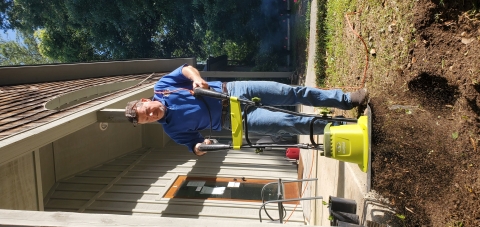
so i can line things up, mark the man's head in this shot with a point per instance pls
(144, 111)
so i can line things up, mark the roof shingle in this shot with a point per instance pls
(22, 106)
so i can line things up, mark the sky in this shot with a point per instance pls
(9, 35)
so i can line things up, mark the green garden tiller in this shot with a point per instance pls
(344, 142)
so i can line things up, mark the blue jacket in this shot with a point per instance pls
(186, 115)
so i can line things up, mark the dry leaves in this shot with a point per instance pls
(474, 144)
(467, 41)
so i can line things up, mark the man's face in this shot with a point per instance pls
(150, 111)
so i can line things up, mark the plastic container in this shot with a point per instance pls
(293, 153)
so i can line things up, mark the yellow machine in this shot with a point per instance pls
(347, 142)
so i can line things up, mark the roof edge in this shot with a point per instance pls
(15, 75)
(16, 145)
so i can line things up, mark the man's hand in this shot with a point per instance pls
(200, 83)
(201, 153)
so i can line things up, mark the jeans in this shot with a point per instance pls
(268, 122)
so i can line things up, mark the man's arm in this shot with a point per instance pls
(192, 74)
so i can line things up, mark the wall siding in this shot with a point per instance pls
(17, 184)
(47, 167)
(90, 147)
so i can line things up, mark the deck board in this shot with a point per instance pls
(135, 184)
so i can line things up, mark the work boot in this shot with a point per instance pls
(359, 97)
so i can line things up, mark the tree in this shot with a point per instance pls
(90, 30)
(21, 53)
(5, 5)
(124, 29)
(67, 45)
(228, 20)
(85, 30)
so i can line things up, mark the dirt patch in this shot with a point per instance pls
(426, 124)
(424, 82)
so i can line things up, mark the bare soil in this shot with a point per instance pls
(426, 127)
(424, 83)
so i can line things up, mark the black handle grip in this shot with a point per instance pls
(213, 147)
(209, 93)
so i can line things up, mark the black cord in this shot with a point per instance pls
(209, 114)
(284, 212)
(266, 212)
(211, 124)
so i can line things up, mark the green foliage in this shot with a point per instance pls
(21, 53)
(5, 6)
(455, 135)
(66, 46)
(300, 36)
(229, 19)
(239, 51)
(266, 62)
(91, 30)
(86, 30)
(400, 216)
(320, 64)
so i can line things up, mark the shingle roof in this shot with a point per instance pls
(22, 106)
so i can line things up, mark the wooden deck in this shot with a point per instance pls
(32, 218)
(136, 183)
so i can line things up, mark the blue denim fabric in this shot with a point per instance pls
(276, 94)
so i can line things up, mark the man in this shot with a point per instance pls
(184, 115)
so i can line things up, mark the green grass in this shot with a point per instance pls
(341, 56)
(336, 32)
(330, 32)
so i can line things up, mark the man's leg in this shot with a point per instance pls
(277, 94)
(268, 122)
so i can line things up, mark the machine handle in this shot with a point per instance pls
(209, 93)
(213, 147)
